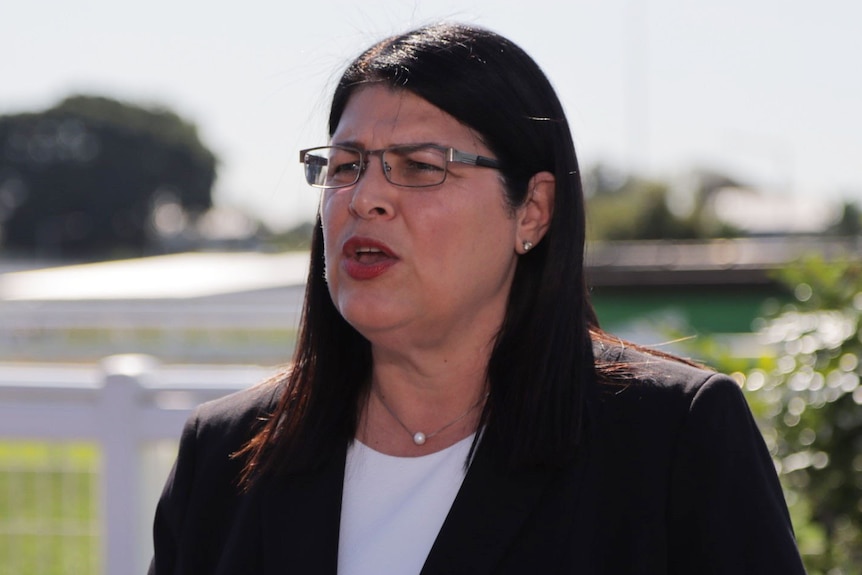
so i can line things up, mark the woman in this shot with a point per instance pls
(453, 406)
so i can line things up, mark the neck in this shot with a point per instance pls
(419, 436)
(442, 398)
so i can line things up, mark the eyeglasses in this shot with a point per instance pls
(411, 166)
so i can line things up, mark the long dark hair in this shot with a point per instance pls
(542, 365)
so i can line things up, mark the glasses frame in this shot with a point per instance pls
(451, 156)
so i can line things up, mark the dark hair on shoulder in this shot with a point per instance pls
(542, 366)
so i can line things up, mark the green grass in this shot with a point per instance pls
(49, 520)
(213, 345)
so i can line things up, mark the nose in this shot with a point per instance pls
(373, 195)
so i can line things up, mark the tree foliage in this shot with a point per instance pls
(625, 207)
(807, 396)
(90, 175)
(850, 222)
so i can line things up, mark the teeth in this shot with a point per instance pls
(367, 251)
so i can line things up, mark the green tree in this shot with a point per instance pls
(850, 222)
(89, 176)
(624, 207)
(807, 397)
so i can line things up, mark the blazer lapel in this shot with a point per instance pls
(301, 516)
(485, 517)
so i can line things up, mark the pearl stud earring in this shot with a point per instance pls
(527, 245)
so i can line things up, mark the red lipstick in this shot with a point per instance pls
(366, 259)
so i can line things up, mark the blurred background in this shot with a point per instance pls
(154, 224)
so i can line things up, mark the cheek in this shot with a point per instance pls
(333, 215)
(331, 224)
(476, 237)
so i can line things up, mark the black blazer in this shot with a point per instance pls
(673, 478)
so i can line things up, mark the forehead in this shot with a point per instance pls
(379, 116)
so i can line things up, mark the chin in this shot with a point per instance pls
(369, 319)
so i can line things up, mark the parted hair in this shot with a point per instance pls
(541, 368)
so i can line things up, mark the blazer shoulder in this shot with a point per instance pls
(240, 404)
(626, 368)
(660, 390)
(237, 414)
(201, 498)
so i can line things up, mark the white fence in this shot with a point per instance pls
(125, 405)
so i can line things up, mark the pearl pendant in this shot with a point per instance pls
(419, 438)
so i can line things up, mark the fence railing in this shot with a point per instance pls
(123, 405)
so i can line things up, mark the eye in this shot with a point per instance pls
(422, 160)
(345, 167)
(415, 166)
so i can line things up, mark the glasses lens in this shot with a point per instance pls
(415, 166)
(332, 166)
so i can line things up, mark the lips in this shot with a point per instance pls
(369, 255)
(366, 259)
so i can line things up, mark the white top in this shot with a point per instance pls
(393, 507)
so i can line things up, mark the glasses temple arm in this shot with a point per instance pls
(472, 159)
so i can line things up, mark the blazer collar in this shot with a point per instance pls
(301, 516)
(485, 517)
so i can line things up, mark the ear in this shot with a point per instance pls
(534, 216)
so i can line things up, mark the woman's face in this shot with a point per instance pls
(417, 266)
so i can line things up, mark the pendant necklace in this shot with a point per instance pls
(419, 438)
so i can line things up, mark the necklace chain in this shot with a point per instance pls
(419, 438)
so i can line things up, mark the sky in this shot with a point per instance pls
(767, 91)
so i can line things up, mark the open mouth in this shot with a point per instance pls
(366, 250)
(369, 255)
(366, 259)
